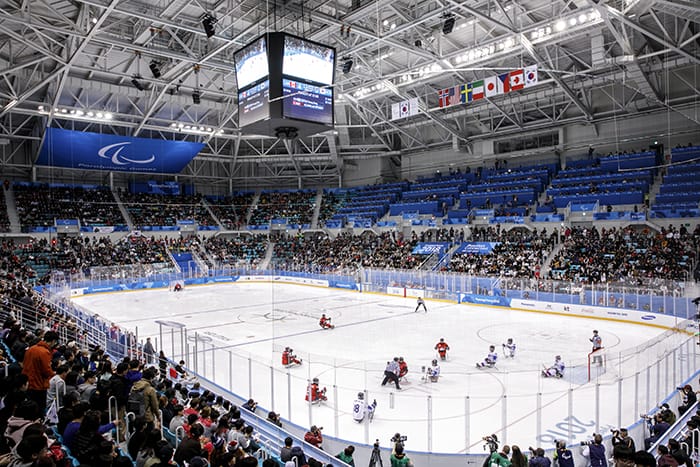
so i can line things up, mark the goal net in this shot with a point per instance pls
(597, 363)
(177, 285)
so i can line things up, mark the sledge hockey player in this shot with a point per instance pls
(490, 360)
(556, 370)
(432, 373)
(597, 345)
(177, 287)
(403, 368)
(509, 348)
(442, 348)
(360, 408)
(421, 303)
(325, 322)
(288, 357)
(315, 393)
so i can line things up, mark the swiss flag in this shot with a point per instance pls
(517, 80)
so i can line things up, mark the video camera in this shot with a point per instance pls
(398, 439)
(491, 443)
(589, 442)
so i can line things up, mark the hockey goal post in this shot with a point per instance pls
(172, 285)
(597, 362)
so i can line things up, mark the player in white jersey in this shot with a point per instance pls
(360, 408)
(490, 360)
(509, 348)
(432, 373)
(556, 370)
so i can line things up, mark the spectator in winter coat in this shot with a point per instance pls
(538, 459)
(37, 367)
(150, 397)
(314, 436)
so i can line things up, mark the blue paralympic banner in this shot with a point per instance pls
(477, 248)
(95, 151)
(430, 248)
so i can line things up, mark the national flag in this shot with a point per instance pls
(517, 80)
(530, 75)
(404, 109)
(465, 93)
(292, 84)
(504, 83)
(477, 90)
(443, 97)
(454, 96)
(491, 86)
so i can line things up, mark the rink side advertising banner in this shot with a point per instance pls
(430, 248)
(95, 151)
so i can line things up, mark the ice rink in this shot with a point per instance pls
(240, 329)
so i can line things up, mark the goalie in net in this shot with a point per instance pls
(176, 286)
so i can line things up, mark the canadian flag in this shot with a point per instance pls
(517, 80)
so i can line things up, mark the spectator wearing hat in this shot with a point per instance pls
(37, 367)
(314, 436)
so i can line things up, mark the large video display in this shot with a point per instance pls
(308, 61)
(251, 63)
(308, 102)
(254, 104)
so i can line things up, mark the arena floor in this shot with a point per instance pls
(242, 327)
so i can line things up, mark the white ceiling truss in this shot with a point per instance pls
(612, 58)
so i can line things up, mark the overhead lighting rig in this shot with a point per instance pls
(77, 114)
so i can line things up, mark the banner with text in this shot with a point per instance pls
(430, 248)
(476, 248)
(95, 151)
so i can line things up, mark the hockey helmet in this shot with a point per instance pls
(492, 348)
(401, 359)
(558, 357)
(361, 395)
(287, 349)
(510, 340)
(434, 362)
(315, 380)
(290, 350)
(442, 339)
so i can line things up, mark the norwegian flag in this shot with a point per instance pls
(517, 80)
(444, 97)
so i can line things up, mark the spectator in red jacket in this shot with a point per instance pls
(314, 436)
(37, 367)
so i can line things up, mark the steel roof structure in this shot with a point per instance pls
(72, 63)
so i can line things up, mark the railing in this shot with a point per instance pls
(648, 371)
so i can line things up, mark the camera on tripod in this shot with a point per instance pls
(491, 443)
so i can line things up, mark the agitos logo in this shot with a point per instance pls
(114, 153)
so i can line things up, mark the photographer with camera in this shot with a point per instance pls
(689, 398)
(621, 438)
(399, 458)
(563, 456)
(594, 451)
(657, 430)
(500, 459)
(667, 414)
(538, 458)
(398, 441)
(314, 436)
